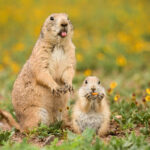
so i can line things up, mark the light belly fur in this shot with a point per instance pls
(89, 120)
(57, 63)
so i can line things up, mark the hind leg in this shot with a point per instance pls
(33, 116)
(104, 128)
(75, 126)
(65, 113)
(66, 119)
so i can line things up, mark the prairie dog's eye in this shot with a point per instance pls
(51, 18)
(86, 82)
(99, 82)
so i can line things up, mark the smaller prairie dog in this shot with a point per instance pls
(91, 109)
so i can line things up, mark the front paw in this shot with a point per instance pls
(88, 96)
(100, 96)
(68, 87)
(56, 91)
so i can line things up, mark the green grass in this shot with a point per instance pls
(78, 142)
(44, 131)
(4, 136)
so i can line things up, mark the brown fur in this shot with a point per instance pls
(91, 111)
(37, 92)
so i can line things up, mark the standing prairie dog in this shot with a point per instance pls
(44, 84)
(91, 109)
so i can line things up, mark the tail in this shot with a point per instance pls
(7, 121)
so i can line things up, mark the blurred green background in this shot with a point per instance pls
(112, 40)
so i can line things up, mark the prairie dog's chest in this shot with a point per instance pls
(58, 61)
(89, 120)
(58, 55)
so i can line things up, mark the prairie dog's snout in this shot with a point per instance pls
(64, 23)
(93, 89)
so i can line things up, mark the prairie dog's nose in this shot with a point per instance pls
(93, 89)
(64, 24)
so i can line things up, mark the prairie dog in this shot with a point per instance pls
(91, 109)
(44, 84)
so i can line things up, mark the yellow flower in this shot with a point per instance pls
(148, 91)
(113, 85)
(19, 47)
(6, 59)
(85, 44)
(136, 103)
(147, 98)
(67, 108)
(4, 14)
(100, 56)
(121, 61)
(15, 67)
(1, 67)
(87, 72)
(79, 57)
(144, 100)
(133, 97)
(60, 110)
(110, 90)
(116, 97)
(123, 37)
(139, 46)
(36, 31)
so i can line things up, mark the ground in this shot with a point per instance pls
(112, 40)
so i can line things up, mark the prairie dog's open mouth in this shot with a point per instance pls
(62, 33)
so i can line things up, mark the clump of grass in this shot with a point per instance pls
(4, 136)
(44, 131)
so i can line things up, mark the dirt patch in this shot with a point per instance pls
(17, 137)
(116, 131)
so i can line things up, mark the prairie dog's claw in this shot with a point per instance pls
(68, 87)
(56, 91)
(60, 90)
(101, 96)
(71, 89)
(88, 96)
